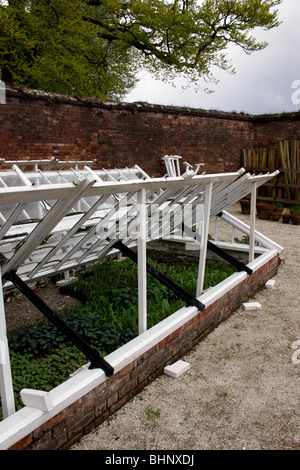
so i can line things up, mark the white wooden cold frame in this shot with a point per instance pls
(60, 238)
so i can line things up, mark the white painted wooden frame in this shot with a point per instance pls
(142, 259)
(204, 237)
(6, 386)
(192, 190)
(124, 194)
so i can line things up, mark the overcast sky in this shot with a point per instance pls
(262, 83)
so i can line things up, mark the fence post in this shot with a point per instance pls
(252, 222)
(142, 259)
(6, 386)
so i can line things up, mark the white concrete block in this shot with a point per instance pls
(251, 305)
(270, 284)
(177, 369)
(36, 399)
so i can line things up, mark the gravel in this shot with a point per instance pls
(242, 389)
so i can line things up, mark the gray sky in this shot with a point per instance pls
(262, 82)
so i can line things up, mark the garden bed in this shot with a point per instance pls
(101, 305)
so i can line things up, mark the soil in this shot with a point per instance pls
(20, 312)
(242, 390)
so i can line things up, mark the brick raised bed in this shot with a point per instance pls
(136, 365)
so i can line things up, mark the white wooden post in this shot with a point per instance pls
(6, 386)
(204, 236)
(216, 228)
(252, 221)
(142, 259)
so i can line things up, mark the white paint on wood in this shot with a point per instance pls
(6, 385)
(36, 399)
(204, 237)
(142, 260)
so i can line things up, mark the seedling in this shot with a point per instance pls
(152, 415)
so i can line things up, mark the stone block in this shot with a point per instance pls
(177, 369)
(251, 305)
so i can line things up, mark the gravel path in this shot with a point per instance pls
(243, 388)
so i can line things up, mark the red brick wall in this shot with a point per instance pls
(38, 125)
(88, 412)
(269, 130)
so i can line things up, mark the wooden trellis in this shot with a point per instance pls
(285, 188)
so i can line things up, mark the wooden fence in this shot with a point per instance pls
(285, 187)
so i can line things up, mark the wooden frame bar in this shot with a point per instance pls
(142, 260)
(6, 385)
(204, 236)
(57, 212)
(252, 222)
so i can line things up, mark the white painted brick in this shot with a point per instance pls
(251, 305)
(177, 369)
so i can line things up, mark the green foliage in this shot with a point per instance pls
(295, 209)
(108, 316)
(245, 240)
(97, 327)
(152, 415)
(43, 373)
(48, 46)
(41, 358)
(95, 47)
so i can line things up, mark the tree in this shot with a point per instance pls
(45, 44)
(95, 47)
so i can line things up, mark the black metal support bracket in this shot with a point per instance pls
(92, 354)
(179, 291)
(239, 265)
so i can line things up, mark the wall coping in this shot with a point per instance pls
(140, 106)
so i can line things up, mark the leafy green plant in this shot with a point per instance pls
(91, 48)
(295, 209)
(108, 317)
(41, 358)
(43, 373)
(152, 415)
(40, 339)
(244, 240)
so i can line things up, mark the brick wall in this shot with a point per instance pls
(268, 130)
(41, 125)
(89, 411)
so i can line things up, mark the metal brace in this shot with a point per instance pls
(179, 291)
(239, 265)
(92, 354)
